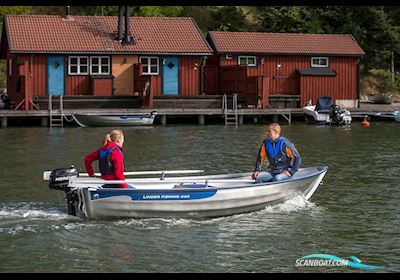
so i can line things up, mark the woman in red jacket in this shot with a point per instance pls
(110, 157)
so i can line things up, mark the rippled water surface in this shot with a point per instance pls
(354, 213)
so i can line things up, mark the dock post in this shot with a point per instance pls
(3, 121)
(163, 119)
(201, 119)
(275, 118)
(44, 121)
(255, 120)
(240, 119)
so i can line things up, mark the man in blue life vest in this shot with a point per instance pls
(284, 160)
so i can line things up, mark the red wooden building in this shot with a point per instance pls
(95, 56)
(267, 67)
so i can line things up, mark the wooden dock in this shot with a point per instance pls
(163, 114)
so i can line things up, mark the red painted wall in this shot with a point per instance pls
(189, 76)
(77, 85)
(285, 81)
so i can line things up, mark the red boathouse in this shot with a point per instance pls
(284, 69)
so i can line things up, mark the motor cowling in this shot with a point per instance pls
(59, 178)
(339, 116)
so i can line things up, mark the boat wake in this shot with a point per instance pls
(296, 204)
(30, 210)
(16, 218)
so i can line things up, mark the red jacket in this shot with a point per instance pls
(116, 158)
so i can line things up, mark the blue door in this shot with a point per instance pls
(170, 75)
(55, 75)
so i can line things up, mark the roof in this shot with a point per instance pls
(96, 34)
(316, 71)
(285, 43)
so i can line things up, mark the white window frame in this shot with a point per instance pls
(79, 65)
(149, 65)
(100, 65)
(319, 58)
(247, 60)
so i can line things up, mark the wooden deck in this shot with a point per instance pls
(200, 113)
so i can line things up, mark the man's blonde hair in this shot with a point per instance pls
(276, 127)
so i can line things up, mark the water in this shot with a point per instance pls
(354, 213)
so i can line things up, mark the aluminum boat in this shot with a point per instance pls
(85, 120)
(184, 196)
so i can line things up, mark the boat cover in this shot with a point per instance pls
(324, 103)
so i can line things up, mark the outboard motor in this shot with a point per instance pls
(59, 178)
(339, 116)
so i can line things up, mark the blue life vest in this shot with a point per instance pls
(277, 158)
(105, 165)
(273, 151)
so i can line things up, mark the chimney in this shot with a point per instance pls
(68, 16)
(120, 14)
(127, 39)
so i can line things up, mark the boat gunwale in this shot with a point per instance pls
(321, 170)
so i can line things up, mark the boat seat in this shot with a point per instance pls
(190, 186)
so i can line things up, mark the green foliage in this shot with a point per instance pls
(386, 81)
(158, 11)
(231, 18)
(203, 17)
(14, 10)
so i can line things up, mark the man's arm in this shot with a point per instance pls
(292, 153)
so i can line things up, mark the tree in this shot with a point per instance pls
(157, 11)
(230, 18)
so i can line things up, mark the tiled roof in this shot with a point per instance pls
(285, 43)
(55, 34)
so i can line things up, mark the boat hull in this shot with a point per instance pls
(314, 117)
(213, 200)
(109, 120)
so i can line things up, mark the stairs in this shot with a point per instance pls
(231, 115)
(56, 116)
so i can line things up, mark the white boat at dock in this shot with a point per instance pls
(325, 112)
(184, 196)
(85, 120)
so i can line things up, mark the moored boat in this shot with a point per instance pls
(185, 196)
(325, 112)
(383, 98)
(85, 120)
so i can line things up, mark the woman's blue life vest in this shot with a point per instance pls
(105, 165)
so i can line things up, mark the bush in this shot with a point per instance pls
(386, 82)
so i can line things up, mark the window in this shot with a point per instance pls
(100, 65)
(319, 62)
(247, 60)
(82, 65)
(78, 65)
(150, 65)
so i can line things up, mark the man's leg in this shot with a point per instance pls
(280, 177)
(264, 177)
